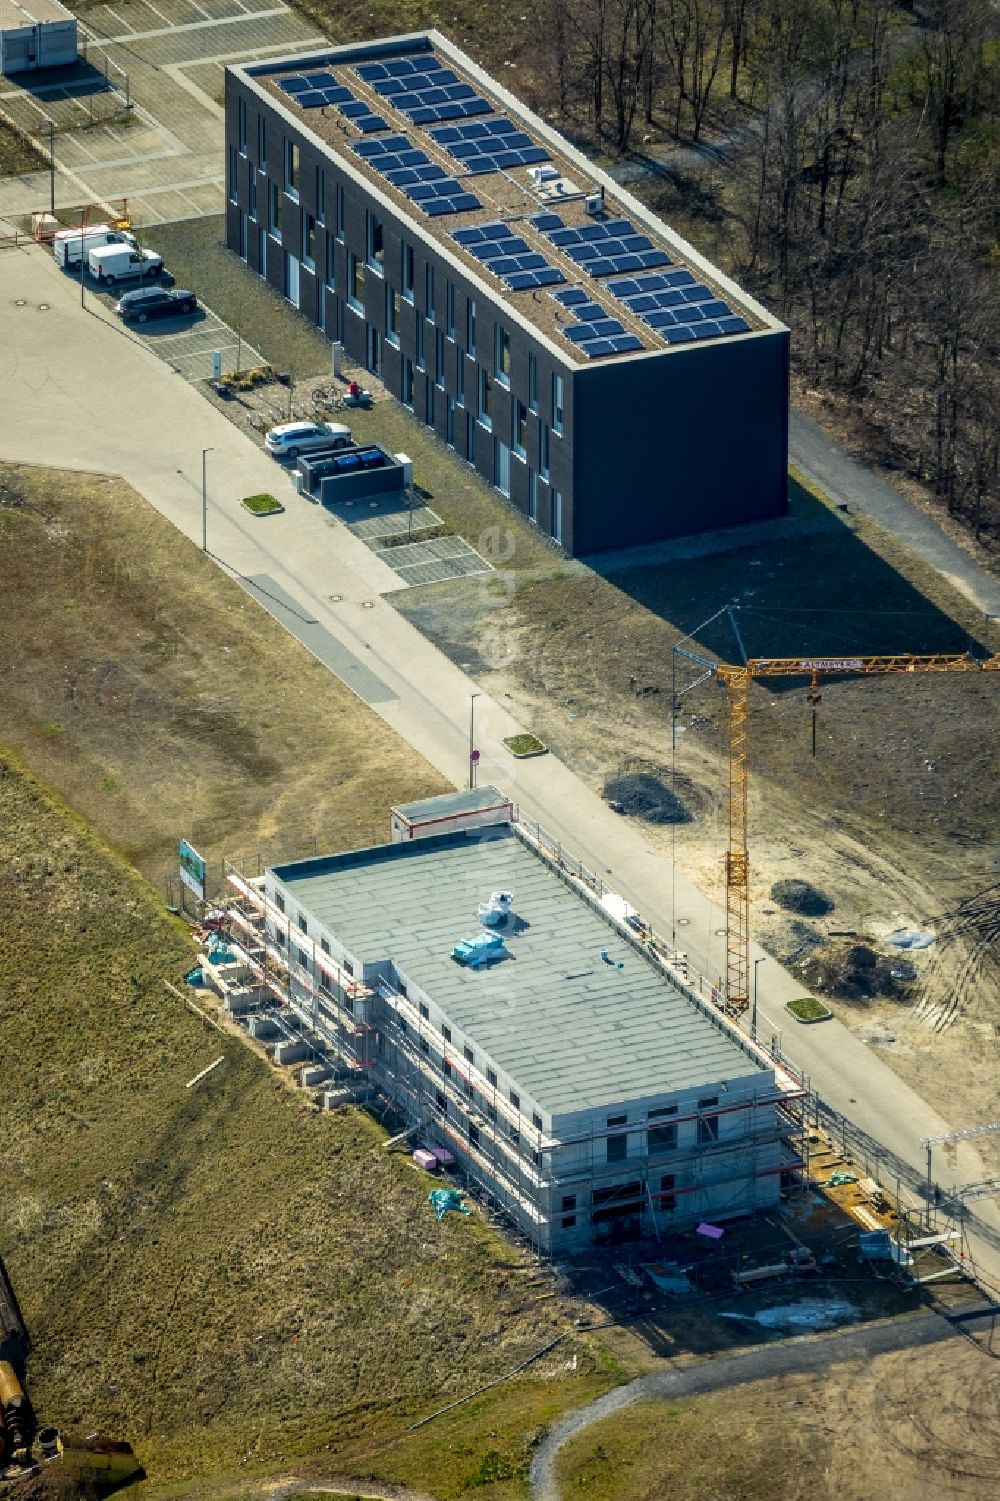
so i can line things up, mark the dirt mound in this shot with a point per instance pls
(801, 897)
(855, 972)
(641, 794)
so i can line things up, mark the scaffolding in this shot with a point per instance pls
(379, 1034)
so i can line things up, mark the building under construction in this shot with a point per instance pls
(523, 1018)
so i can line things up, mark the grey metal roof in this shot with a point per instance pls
(452, 804)
(574, 1031)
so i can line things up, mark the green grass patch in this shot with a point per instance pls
(261, 505)
(525, 745)
(808, 1009)
(17, 155)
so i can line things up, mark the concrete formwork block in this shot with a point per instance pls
(291, 1052)
(262, 1027)
(313, 1074)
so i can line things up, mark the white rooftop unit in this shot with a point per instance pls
(476, 808)
(36, 34)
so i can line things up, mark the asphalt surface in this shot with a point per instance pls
(786, 1357)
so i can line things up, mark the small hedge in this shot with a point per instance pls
(261, 505)
(808, 1009)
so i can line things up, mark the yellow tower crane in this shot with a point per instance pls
(736, 681)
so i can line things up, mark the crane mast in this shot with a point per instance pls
(736, 681)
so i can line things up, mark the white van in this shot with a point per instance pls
(68, 245)
(113, 263)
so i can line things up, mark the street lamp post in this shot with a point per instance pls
(753, 1013)
(52, 170)
(204, 497)
(472, 739)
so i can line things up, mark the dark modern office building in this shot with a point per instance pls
(584, 358)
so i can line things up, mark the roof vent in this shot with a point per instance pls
(495, 912)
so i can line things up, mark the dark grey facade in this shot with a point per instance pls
(615, 453)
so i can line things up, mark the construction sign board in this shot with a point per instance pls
(192, 869)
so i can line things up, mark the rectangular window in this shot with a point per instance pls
(557, 403)
(291, 169)
(303, 924)
(532, 495)
(349, 1004)
(662, 1132)
(407, 271)
(536, 1120)
(514, 1134)
(274, 210)
(617, 1145)
(491, 1111)
(242, 233)
(543, 450)
(501, 355)
(340, 212)
(348, 968)
(324, 944)
(446, 1065)
(392, 316)
(424, 1012)
(532, 383)
(320, 195)
(241, 113)
(450, 422)
(439, 358)
(708, 1128)
(568, 1203)
(355, 283)
(429, 289)
(425, 1046)
(261, 143)
(279, 902)
(376, 244)
(429, 405)
(520, 432)
(330, 261)
(473, 1135)
(252, 186)
(446, 1033)
(468, 1054)
(421, 357)
(485, 399)
(557, 516)
(233, 182)
(515, 1099)
(308, 241)
(461, 379)
(472, 442)
(569, 1221)
(407, 396)
(441, 1102)
(667, 1201)
(303, 957)
(491, 1078)
(470, 327)
(450, 309)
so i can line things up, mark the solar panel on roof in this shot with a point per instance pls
(734, 325)
(292, 85)
(368, 123)
(311, 99)
(571, 296)
(320, 80)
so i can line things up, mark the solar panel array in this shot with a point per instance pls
(602, 247)
(489, 145)
(423, 89)
(678, 306)
(593, 332)
(313, 90)
(508, 256)
(411, 171)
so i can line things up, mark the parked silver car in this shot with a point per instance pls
(289, 439)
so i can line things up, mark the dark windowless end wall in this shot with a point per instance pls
(616, 455)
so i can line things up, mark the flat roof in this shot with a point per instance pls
(17, 13)
(575, 1030)
(452, 804)
(601, 282)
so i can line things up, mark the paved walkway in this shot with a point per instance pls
(763, 1362)
(147, 424)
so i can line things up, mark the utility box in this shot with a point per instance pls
(476, 808)
(36, 34)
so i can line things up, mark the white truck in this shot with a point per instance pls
(111, 263)
(68, 245)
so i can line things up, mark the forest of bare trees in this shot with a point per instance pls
(857, 183)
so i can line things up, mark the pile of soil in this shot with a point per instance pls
(855, 972)
(643, 795)
(801, 897)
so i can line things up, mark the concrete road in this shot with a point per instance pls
(144, 422)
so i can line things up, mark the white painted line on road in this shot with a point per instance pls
(163, 18)
(122, 22)
(146, 36)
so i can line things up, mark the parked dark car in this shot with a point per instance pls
(155, 302)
